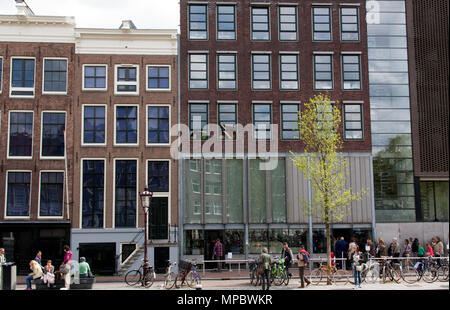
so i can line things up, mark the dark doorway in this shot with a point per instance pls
(210, 240)
(100, 256)
(161, 258)
(159, 219)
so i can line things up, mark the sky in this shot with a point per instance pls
(145, 14)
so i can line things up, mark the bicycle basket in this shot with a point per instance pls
(185, 265)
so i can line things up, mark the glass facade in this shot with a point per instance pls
(434, 201)
(390, 113)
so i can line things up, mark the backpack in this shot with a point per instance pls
(304, 257)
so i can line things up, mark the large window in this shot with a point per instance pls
(93, 193)
(158, 77)
(323, 71)
(353, 129)
(51, 194)
(351, 72)
(260, 23)
(258, 189)
(193, 171)
(53, 129)
(55, 76)
(198, 22)
(289, 77)
(213, 191)
(158, 176)
(158, 125)
(262, 119)
(20, 134)
(234, 191)
(321, 23)
(126, 125)
(261, 72)
(349, 24)
(289, 121)
(198, 71)
(228, 120)
(288, 23)
(125, 193)
(226, 22)
(94, 125)
(198, 119)
(434, 201)
(18, 194)
(22, 79)
(127, 77)
(227, 76)
(95, 77)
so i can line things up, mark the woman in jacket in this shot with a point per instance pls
(357, 267)
(407, 250)
(66, 261)
(36, 274)
(382, 249)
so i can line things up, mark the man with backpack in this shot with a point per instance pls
(303, 259)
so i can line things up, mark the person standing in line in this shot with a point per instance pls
(286, 253)
(35, 275)
(218, 253)
(351, 250)
(341, 248)
(382, 250)
(371, 245)
(430, 252)
(420, 250)
(303, 259)
(66, 262)
(357, 267)
(415, 247)
(407, 251)
(438, 249)
(395, 249)
(265, 260)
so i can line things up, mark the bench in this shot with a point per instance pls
(85, 284)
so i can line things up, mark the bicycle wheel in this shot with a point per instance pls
(169, 282)
(192, 280)
(286, 278)
(443, 274)
(133, 277)
(316, 276)
(340, 277)
(372, 274)
(178, 280)
(430, 275)
(252, 276)
(410, 274)
(150, 278)
(396, 273)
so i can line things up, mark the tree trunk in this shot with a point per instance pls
(328, 232)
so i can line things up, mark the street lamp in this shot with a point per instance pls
(146, 199)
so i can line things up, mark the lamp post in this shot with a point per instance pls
(146, 199)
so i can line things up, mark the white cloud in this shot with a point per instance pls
(146, 14)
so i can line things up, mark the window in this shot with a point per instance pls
(126, 125)
(228, 120)
(159, 221)
(260, 23)
(321, 24)
(18, 194)
(158, 77)
(20, 134)
(198, 22)
(226, 71)
(53, 127)
(125, 194)
(95, 77)
(52, 194)
(288, 23)
(261, 71)
(93, 193)
(1, 74)
(289, 121)
(262, 119)
(94, 125)
(325, 117)
(434, 201)
(198, 119)
(289, 72)
(353, 121)
(351, 72)
(127, 77)
(158, 124)
(323, 72)
(22, 79)
(349, 24)
(158, 176)
(55, 76)
(198, 71)
(226, 22)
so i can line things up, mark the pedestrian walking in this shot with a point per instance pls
(341, 248)
(35, 275)
(66, 266)
(265, 261)
(218, 253)
(356, 266)
(303, 259)
(286, 254)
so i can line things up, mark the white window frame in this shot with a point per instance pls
(117, 83)
(280, 55)
(158, 89)
(83, 88)
(43, 76)
(82, 125)
(81, 193)
(9, 136)
(11, 88)
(162, 195)
(42, 135)
(146, 125)
(114, 192)
(40, 193)
(132, 253)
(137, 125)
(6, 196)
(254, 136)
(331, 54)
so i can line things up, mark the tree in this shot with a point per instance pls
(324, 165)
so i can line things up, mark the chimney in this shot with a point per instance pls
(23, 8)
(127, 25)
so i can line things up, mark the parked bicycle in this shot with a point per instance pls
(187, 274)
(254, 277)
(136, 276)
(170, 277)
(338, 276)
(278, 272)
(390, 270)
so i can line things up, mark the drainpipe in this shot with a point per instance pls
(180, 163)
(372, 196)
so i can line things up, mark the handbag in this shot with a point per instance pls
(260, 269)
(358, 268)
(64, 268)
